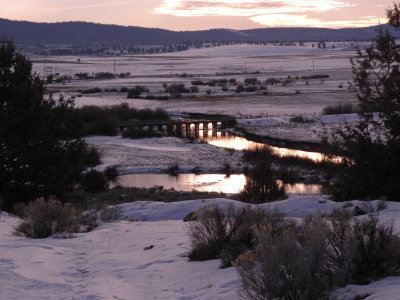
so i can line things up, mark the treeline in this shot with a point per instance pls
(124, 49)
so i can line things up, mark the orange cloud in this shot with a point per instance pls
(245, 8)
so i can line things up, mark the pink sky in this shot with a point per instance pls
(202, 14)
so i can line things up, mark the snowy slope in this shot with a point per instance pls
(111, 263)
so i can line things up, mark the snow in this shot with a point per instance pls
(155, 155)
(110, 262)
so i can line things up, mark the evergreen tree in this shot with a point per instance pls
(371, 149)
(41, 150)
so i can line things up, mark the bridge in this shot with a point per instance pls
(180, 126)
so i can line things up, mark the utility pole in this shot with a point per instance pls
(114, 67)
(245, 67)
(171, 68)
(313, 64)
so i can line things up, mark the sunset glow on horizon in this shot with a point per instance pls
(203, 14)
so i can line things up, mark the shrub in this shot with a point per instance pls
(198, 82)
(305, 261)
(210, 233)
(137, 91)
(111, 173)
(173, 170)
(92, 91)
(317, 76)
(103, 120)
(342, 108)
(226, 232)
(227, 169)
(257, 153)
(272, 81)
(239, 88)
(262, 185)
(378, 250)
(104, 75)
(91, 157)
(94, 181)
(109, 214)
(194, 89)
(106, 126)
(251, 81)
(283, 268)
(175, 90)
(300, 119)
(45, 218)
(232, 81)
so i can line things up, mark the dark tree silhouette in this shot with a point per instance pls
(41, 150)
(371, 149)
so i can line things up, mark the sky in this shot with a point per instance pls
(202, 14)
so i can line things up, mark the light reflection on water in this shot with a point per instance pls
(204, 183)
(240, 143)
(215, 136)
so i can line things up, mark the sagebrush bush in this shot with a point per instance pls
(227, 232)
(307, 260)
(45, 218)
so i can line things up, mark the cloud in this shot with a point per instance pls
(90, 6)
(287, 20)
(272, 13)
(245, 8)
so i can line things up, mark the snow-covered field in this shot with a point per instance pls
(312, 130)
(155, 155)
(111, 263)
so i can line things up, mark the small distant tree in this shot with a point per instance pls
(41, 150)
(262, 185)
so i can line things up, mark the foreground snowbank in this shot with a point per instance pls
(111, 263)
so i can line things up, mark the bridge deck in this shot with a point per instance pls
(142, 123)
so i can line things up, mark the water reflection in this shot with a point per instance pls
(205, 183)
(240, 143)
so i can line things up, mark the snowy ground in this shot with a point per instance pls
(312, 130)
(155, 155)
(111, 263)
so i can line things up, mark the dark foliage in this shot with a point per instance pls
(137, 91)
(94, 181)
(342, 108)
(251, 81)
(92, 91)
(104, 120)
(262, 185)
(140, 133)
(371, 149)
(316, 76)
(111, 173)
(91, 157)
(41, 150)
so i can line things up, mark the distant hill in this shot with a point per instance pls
(83, 32)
